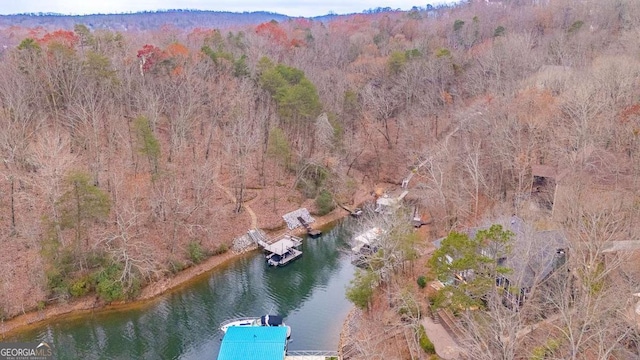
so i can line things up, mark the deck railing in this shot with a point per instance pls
(312, 353)
(227, 322)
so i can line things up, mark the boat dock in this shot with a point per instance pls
(357, 212)
(301, 217)
(264, 343)
(314, 233)
(254, 342)
(280, 251)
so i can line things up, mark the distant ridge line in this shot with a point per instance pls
(147, 12)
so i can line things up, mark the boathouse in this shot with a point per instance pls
(254, 342)
(264, 343)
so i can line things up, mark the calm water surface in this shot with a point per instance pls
(309, 293)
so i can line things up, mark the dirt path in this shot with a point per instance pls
(252, 214)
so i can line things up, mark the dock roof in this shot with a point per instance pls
(254, 342)
(283, 245)
(367, 238)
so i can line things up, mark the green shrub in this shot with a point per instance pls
(396, 62)
(175, 266)
(443, 52)
(108, 284)
(54, 279)
(422, 281)
(576, 26)
(196, 252)
(57, 284)
(324, 202)
(425, 342)
(80, 287)
(546, 350)
(221, 249)
(538, 353)
(110, 290)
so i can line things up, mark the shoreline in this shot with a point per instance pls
(150, 293)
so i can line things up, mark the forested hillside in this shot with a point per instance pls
(117, 146)
(141, 21)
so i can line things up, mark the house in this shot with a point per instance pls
(534, 257)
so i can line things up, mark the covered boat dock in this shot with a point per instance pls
(263, 343)
(281, 251)
(254, 342)
(282, 245)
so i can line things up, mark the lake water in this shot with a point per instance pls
(309, 293)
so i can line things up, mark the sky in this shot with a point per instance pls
(307, 8)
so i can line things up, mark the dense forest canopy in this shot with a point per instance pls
(116, 144)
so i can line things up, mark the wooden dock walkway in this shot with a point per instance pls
(311, 232)
(258, 237)
(311, 355)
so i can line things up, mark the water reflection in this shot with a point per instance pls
(309, 293)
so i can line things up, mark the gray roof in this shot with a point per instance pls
(283, 245)
(534, 253)
(535, 257)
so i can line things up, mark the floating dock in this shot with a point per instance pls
(282, 244)
(357, 212)
(280, 252)
(314, 233)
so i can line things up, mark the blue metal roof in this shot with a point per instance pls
(254, 342)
